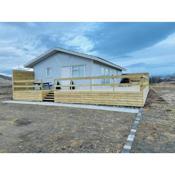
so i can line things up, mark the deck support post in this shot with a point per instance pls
(90, 84)
(113, 83)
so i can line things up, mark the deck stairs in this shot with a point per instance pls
(49, 97)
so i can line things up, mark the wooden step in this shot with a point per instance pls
(48, 100)
(49, 97)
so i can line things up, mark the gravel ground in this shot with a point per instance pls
(29, 128)
(5, 92)
(156, 133)
(168, 94)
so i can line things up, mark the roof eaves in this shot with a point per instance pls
(39, 58)
(55, 50)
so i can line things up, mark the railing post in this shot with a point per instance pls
(113, 83)
(71, 85)
(41, 85)
(54, 84)
(91, 84)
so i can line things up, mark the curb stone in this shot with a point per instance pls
(131, 136)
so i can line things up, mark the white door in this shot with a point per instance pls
(66, 73)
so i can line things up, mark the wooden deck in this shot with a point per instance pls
(86, 90)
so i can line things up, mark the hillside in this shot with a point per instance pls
(5, 77)
(5, 80)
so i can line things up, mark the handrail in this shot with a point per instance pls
(110, 84)
(140, 79)
(103, 77)
(18, 84)
(136, 79)
(26, 81)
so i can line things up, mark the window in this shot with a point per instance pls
(106, 72)
(48, 71)
(78, 71)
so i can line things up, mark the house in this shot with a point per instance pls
(64, 76)
(61, 63)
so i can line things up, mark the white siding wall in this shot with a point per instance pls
(57, 61)
(97, 70)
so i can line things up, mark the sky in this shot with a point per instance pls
(139, 47)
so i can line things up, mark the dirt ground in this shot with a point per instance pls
(156, 133)
(34, 129)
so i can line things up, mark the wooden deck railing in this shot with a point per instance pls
(111, 92)
(135, 79)
(27, 85)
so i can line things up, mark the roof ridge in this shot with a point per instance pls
(58, 49)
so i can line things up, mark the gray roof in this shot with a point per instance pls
(56, 50)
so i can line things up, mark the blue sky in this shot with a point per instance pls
(139, 47)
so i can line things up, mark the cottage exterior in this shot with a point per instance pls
(64, 76)
(61, 63)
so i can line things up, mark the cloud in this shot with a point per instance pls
(81, 43)
(122, 38)
(21, 42)
(158, 59)
(136, 46)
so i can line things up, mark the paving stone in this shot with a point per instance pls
(137, 119)
(127, 147)
(129, 143)
(136, 122)
(130, 137)
(132, 133)
(126, 151)
(133, 130)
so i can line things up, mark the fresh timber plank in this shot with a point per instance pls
(127, 94)
(27, 95)
(107, 98)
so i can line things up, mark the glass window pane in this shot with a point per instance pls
(78, 71)
(106, 72)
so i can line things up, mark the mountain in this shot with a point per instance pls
(5, 80)
(6, 77)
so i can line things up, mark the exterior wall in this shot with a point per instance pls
(97, 71)
(98, 66)
(57, 61)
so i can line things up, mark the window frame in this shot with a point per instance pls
(105, 73)
(80, 65)
(48, 75)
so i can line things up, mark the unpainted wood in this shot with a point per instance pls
(24, 89)
(105, 98)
